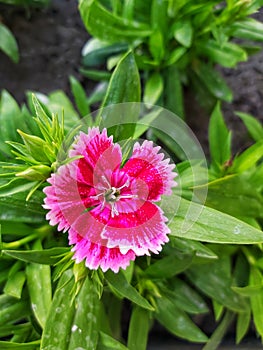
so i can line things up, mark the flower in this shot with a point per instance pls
(107, 209)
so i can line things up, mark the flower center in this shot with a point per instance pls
(111, 195)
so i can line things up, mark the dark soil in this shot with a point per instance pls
(50, 42)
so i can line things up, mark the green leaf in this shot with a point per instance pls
(79, 96)
(177, 321)
(227, 55)
(119, 284)
(242, 327)
(173, 91)
(15, 186)
(15, 283)
(254, 126)
(220, 332)
(248, 158)
(95, 52)
(4, 345)
(16, 208)
(60, 104)
(153, 89)
(85, 327)
(47, 256)
(175, 55)
(40, 290)
(190, 247)
(106, 342)
(8, 43)
(105, 25)
(248, 291)
(214, 82)
(145, 122)
(183, 296)
(213, 281)
(256, 279)
(219, 138)
(98, 93)
(96, 75)
(169, 266)
(124, 87)
(200, 223)
(8, 330)
(234, 195)
(73, 322)
(183, 32)
(203, 95)
(13, 310)
(248, 28)
(159, 16)
(156, 46)
(35, 146)
(138, 329)
(10, 119)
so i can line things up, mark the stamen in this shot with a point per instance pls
(111, 194)
(105, 180)
(114, 211)
(127, 183)
(126, 196)
(97, 196)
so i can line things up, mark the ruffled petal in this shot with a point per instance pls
(149, 166)
(99, 153)
(64, 198)
(141, 231)
(97, 255)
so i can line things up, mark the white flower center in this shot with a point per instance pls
(111, 195)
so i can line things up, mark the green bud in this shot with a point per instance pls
(35, 146)
(80, 271)
(35, 173)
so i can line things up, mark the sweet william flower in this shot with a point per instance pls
(109, 210)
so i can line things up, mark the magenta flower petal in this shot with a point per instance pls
(142, 231)
(97, 255)
(149, 166)
(108, 210)
(99, 155)
(63, 198)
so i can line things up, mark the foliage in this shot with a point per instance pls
(176, 43)
(8, 43)
(214, 256)
(47, 299)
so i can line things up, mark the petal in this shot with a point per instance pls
(142, 230)
(89, 227)
(64, 199)
(147, 165)
(97, 255)
(99, 155)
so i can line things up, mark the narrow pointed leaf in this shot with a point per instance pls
(119, 283)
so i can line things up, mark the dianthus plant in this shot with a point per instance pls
(109, 209)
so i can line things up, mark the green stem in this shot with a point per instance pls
(20, 242)
(219, 333)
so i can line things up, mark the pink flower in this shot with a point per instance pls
(107, 209)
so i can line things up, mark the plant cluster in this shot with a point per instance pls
(213, 262)
(175, 43)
